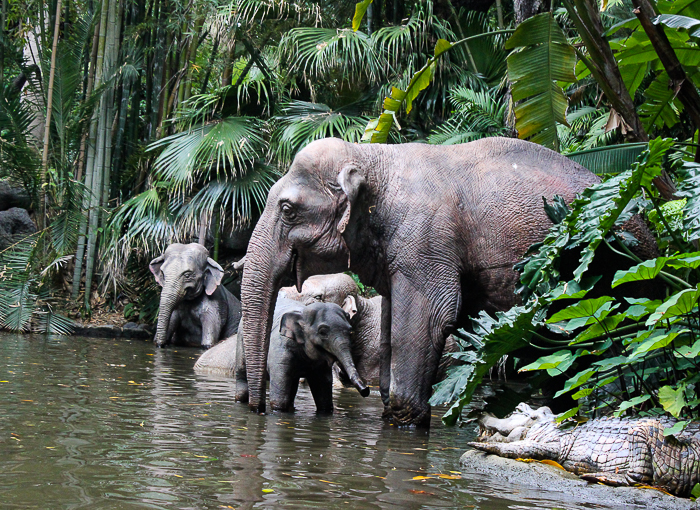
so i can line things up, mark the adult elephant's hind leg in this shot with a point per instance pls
(420, 315)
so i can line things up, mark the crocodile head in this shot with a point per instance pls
(513, 427)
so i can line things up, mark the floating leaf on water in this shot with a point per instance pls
(422, 477)
(526, 460)
(456, 472)
(268, 490)
(450, 477)
(325, 481)
(421, 492)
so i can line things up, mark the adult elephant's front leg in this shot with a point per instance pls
(420, 314)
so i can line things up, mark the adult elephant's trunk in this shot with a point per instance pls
(341, 350)
(262, 276)
(170, 297)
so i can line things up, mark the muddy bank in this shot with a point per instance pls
(532, 478)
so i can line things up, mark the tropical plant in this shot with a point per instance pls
(642, 355)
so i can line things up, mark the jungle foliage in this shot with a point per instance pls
(146, 122)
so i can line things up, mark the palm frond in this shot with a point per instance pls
(319, 52)
(224, 148)
(477, 114)
(302, 122)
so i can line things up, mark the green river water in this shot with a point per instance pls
(117, 424)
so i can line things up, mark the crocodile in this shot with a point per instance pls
(613, 451)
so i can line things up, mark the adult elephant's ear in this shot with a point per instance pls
(212, 276)
(350, 306)
(290, 326)
(351, 181)
(154, 266)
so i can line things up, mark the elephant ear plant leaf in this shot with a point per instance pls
(543, 57)
(620, 351)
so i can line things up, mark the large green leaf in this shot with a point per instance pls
(689, 188)
(610, 159)
(543, 58)
(554, 364)
(360, 10)
(692, 25)
(647, 270)
(681, 303)
(673, 401)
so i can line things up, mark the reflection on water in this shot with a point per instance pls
(92, 423)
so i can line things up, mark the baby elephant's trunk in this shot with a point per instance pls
(345, 360)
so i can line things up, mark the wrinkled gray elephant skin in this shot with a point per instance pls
(434, 229)
(195, 309)
(219, 360)
(15, 224)
(614, 451)
(305, 342)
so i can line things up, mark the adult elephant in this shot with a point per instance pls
(434, 229)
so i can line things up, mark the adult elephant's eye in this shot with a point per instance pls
(288, 211)
(324, 330)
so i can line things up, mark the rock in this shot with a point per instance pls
(542, 481)
(13, 196)
(133, 331)
(15, 224)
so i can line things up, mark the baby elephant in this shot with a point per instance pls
(305, 341)
(195, 309)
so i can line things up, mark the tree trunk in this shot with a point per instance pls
(47, 126)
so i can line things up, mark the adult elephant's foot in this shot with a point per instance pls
(407, 413)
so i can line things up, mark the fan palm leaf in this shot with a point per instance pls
(302, 122)
(318, 52)
(227, 147)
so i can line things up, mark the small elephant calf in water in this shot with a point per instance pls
(305, 341)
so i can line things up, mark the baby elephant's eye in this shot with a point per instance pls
(318, 297)
(324, 330)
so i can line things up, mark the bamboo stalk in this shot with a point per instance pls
(47, 125)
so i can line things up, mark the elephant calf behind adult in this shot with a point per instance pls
(435, 229)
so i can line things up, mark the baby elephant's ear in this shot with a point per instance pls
(290, 326)
(154, 266)
(212, 276)
(350, 306)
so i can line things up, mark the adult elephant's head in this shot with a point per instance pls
(184, 271)
(298, 235)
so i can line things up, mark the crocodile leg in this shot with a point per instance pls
(612, 479)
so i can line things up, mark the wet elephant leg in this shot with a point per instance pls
(284, 382)
(321, 386)
(240, 373)
(385, 352)
(420, 315)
